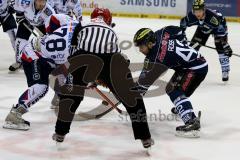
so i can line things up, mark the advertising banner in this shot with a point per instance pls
(157, 7)
(229, 8)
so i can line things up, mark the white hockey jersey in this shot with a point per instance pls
(56, 21)
(35, 18)
(55, 46)
(67, 6)
(3, 7)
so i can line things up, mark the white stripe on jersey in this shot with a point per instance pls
(98, 40)
(90, 31)
(199, 66)
(94, 37)
(103, 40)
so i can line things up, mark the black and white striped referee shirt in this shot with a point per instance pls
(96, 38)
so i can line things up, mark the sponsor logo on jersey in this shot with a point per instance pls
(171, 45)
(164, 46)
(58, 56)
(36, 75)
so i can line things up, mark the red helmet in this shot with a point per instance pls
(104, 13)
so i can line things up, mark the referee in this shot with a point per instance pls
(97, 57)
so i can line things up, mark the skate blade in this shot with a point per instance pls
(9, 125)
(190, 134)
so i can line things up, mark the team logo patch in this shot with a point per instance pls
(214, 21)
(146, 63)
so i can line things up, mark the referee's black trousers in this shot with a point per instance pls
(114, 72)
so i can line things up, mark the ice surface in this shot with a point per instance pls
(111, 138)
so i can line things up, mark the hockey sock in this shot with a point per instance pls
(32, 95)
(183, 105)
(19, 46)
(224, 61)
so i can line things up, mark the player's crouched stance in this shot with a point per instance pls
(165, 49)
(37, 70)
(39, 59)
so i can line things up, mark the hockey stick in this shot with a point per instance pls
(110, 102)
(30, 30)
(5, 19)
(210, 47)
(38, 31)
(95, 113)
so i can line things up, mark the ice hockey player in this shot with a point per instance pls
(164, 50)
(8, 22)
(209, 22)
(99, 50)
(39, 58)
(68, 7)
(55, 20)
(29, 14)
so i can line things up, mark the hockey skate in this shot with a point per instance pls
(14, 67)
(174, 111)
(225, 76)
(58, 138)
(191, 129)
(15, 121)
(147, 143)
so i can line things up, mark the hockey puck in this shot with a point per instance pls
(105, 103)
(113, 25)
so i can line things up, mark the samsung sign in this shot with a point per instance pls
(155, 7)
(149, 3)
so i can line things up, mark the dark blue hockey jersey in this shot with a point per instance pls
(170, 53)
(213, 23)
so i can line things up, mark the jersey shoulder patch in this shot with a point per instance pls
(25, 3)
(146, 63)
(48, 12)
(214, 21)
